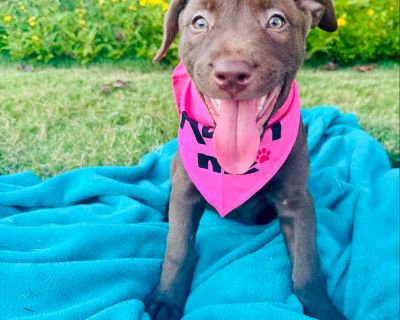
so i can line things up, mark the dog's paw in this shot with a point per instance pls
(162, 307)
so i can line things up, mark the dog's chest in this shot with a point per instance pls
(258, 209)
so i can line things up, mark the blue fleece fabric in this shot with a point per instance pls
(88, 244)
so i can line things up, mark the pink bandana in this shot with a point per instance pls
(222, 190)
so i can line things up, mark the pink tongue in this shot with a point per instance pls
(236, 136)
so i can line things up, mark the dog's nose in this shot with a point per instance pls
(232, 76)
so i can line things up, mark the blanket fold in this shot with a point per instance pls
(89, 243)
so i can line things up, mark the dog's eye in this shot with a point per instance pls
(276, 22)
(200, 23)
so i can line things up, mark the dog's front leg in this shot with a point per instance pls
(297, 221)
(167, 300)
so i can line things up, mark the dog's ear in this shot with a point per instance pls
(171, 27)
(322, 13)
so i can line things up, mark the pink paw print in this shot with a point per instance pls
(263, 155)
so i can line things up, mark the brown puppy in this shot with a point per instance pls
(241, 50)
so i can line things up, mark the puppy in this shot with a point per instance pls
(242, 144)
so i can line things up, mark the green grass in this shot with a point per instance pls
(56, 118)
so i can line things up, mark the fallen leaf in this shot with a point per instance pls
(25, 68)
(113, 86)
(330, 66)
(119, 84)
(365, 68)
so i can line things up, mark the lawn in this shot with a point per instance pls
(54, 119)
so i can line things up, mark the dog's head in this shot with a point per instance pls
(243, 56)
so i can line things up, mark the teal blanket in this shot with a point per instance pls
(88, 244)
